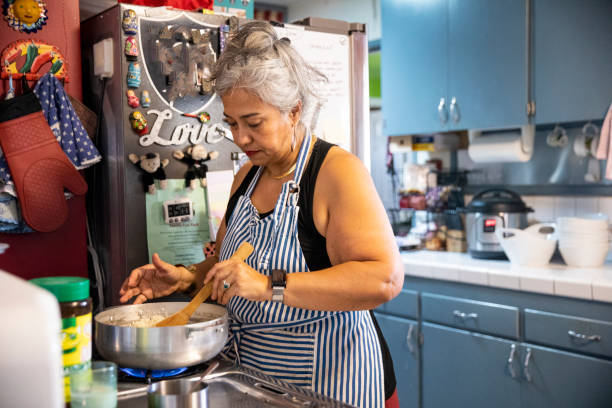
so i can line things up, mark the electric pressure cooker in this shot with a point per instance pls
(488, 210)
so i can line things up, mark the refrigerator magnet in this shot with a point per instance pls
(131, 48)
(132, 99)
(138, 122)
(129, 23)
(133, 75)
(145, 99)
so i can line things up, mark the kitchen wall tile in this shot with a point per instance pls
(474, 276)
(417, 270)
(605, 206)
(587, 205)
(503, 279)
(602, 286)
(544, 208)
(444, 272)
(565, 206)
(566, 286)
(536, 281)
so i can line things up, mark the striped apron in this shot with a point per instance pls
(334, 353)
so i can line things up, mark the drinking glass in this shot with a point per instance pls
(95, 387)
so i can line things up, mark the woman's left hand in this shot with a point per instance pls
(243, 281)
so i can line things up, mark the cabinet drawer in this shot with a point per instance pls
(406, 304)
(471, 315)
(569, 332)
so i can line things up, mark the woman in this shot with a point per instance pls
(319, 230)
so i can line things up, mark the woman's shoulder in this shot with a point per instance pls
(339, 163)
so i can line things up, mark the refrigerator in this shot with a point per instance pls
(173, 49)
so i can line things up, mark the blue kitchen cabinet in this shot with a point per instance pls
(487, 45)
(451, 64)
(573, 59)
(402, 338)
(559, 379)
(465, 369)
(414, 66)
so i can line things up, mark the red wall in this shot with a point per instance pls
(62, 252)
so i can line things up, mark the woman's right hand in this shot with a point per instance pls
(154, 280)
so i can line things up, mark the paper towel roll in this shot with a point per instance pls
(501, 146)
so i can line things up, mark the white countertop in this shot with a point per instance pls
(554, 279)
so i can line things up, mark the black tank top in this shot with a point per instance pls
(312, 243)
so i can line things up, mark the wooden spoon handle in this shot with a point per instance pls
(244, 250)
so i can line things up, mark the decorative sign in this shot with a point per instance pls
(26, 16)
(194, 134)
(30, 56)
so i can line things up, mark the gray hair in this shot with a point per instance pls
(256, 60)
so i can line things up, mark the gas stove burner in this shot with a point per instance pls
(144, 373)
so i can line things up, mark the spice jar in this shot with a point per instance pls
(75, 304)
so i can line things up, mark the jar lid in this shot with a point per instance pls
(65, 288)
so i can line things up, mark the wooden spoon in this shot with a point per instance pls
(182, 316)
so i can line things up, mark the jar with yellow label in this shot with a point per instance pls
(75, 304)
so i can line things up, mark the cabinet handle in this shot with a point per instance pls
(511, 360)
(409, 339)
(464, 316)
(454, 110)
(442, 111)
(594, 337)
(526, 365)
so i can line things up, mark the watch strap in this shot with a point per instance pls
(279, 283)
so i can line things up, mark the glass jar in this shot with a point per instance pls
(75, 304)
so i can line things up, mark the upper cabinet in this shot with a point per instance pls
(414, 65)
(572, 59)
(481, 64)
(453, 64)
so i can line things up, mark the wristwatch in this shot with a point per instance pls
(279, 283)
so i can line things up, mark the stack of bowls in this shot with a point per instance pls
(584, 241)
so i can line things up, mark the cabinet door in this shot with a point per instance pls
(465, 369)
(573, 62)
(487, 63)
(413, 65)
(402, 338)
(558, 379)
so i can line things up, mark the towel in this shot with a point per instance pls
(604, 149)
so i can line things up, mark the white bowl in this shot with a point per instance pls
(527, 247)
(583, 224)
(584, 255)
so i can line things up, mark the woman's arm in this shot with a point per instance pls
(367, 268)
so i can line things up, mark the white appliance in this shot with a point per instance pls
(31, 372)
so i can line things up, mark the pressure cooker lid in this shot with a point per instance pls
(497, 200)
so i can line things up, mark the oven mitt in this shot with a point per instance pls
(39, 167)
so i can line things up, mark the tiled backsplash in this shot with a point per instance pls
(549, 208)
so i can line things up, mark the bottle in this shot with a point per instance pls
(72, 293)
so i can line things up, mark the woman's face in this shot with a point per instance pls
(259, 129)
